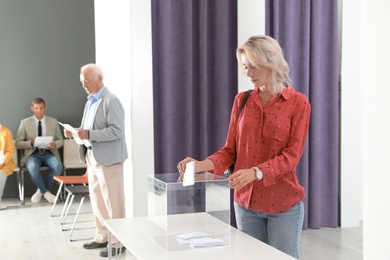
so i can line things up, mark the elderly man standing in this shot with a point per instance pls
(103, 130)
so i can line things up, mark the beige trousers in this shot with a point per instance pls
(106, 193)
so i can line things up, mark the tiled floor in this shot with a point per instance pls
(30, 232)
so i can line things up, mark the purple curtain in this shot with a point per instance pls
(308, 33)
(194, 77)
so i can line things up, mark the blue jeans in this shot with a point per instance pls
(33, 164)
(281, 231)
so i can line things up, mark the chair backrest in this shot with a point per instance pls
(71, 155)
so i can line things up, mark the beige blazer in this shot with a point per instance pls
(27, 131)
(108, 134)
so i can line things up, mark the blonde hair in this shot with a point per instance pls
(266, 51)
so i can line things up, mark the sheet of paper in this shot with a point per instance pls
(1, 157)
(206, 242)
(74, 135)
(186, 238)
(196, 234)
(42, 141)
(189, 174)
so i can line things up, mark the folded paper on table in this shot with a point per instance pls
(206, 242)
(195, 234)
(199, 239)
(42, 141)
(189, 174)
(74, 135)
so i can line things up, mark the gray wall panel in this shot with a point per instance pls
(43, 44)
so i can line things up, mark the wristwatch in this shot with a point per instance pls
(259, 173)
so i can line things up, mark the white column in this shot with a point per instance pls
(250, 21)
(351, 113)
(376, 128)
(123, 50)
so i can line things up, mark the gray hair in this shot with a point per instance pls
(266, 51)
(95, 70)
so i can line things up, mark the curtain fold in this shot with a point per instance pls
(308, 33)
(194, 77)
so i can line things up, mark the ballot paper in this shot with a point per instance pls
(196, 234)
(74, 135)
(1, 157)
(189, 174)
(206, 242)
(42, 141)
(199, 239)
(186, 238)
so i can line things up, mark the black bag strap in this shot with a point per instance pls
(244, 101)
(229, 170)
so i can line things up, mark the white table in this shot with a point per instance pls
(137, 234)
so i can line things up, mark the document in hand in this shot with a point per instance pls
(74, 134)
(42, 141)
(189, 174)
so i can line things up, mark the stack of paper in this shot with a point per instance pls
(206, 241)
(199, 239)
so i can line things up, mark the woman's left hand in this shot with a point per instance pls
(241, 178)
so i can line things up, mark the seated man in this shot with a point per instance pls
(45, 155)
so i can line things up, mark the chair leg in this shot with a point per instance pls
(20, 180)
(58, 194)
(75, 218)
(67, 210)
(65, 206)
(63, 192)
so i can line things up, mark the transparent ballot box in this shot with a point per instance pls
(201, 211)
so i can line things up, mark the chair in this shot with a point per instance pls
(71, 156)
(70, 161)
(19, 176)
(72, 192)
(70, 180)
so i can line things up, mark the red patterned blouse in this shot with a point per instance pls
(273, 139)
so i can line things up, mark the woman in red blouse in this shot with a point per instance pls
(265, 142)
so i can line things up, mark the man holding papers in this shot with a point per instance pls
(104, 150)
(40, 137)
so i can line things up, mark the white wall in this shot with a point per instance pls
(375, 57)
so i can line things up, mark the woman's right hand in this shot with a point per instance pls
(181, 166)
